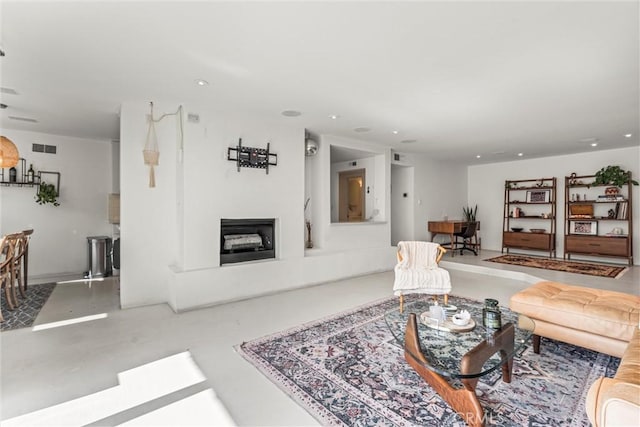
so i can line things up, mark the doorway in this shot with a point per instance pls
(402, 203)
(351, 201)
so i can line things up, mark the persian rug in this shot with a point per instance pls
(601, 270)
(348, 369)
(25, 314)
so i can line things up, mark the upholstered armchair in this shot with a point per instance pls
(417, 271)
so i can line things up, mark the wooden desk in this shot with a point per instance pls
(448, 227)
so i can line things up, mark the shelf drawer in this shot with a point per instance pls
(598, 245)
(527, 240)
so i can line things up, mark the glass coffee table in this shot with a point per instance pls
(443, 356)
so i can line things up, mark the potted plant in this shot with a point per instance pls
(470, 213)
(47, 194)
(613, 175)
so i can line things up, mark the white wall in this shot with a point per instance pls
(402, 223)
(440, 190)
(171, 234)
(486, 188)
(59, 244)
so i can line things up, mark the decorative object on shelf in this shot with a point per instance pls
(151, 151)
(584, 227)
(30, 174)
(517, 229)
(538, 196)
(613, 175)
(470, 214)
(13, 175)
(572, 178)
(249, 157)
(307, 222)
(8, 153)
(538, 230)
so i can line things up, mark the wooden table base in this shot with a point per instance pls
(464, 400)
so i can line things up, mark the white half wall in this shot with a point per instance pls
(171, 234)
(486, 188)
(58, 246)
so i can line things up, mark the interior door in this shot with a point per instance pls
(351, 196)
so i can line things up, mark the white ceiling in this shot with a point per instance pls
(461, 79)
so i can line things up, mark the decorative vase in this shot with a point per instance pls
(309, 243)
(611, 191)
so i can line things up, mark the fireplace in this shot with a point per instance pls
(249, 239)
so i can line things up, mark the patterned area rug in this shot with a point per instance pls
(601, 270)
(348, 370)
(25, 314)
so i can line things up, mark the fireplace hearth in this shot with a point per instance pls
(249, 239)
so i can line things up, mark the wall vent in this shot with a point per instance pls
(193, 118)
(41, 148)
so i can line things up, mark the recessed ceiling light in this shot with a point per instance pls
(291, 113)
(334, 117)
(395, 132)
(478, 156)
(201, 82)
(628, 135)
(520, 154)
(594, 144)
(408, 141)
(362, 129)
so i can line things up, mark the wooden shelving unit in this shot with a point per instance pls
(529, 216)
(597, 224)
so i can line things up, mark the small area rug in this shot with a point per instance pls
(27, 311)
(347, 369)
(601, 270)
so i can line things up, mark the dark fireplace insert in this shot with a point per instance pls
(247, 239)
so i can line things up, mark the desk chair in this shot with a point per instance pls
(417, 271)
(467, 233)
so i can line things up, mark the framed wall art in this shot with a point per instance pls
(538, 196)
(584, 227)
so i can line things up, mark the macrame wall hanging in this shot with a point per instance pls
(151, 152)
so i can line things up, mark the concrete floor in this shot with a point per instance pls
(51, 366)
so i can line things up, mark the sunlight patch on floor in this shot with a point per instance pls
(136, 387)
(69, 322)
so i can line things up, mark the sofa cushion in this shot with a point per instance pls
(602, 312)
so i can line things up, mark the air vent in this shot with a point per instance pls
(23, 119)
(41, 148)
(193, 118)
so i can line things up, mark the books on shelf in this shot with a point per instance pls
(610, 198)
(621, 210)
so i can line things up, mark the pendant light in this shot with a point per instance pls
(8, 153)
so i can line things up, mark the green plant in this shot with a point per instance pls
(47, 194)
(613, 175)
(469, 213)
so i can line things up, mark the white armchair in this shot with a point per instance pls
(417, 271)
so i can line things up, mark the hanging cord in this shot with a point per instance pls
(151, 152)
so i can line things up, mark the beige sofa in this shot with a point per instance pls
(604, 321)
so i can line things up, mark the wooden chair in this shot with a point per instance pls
(417, 271)
(20, 245)
(25, 262)
(6, 272)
